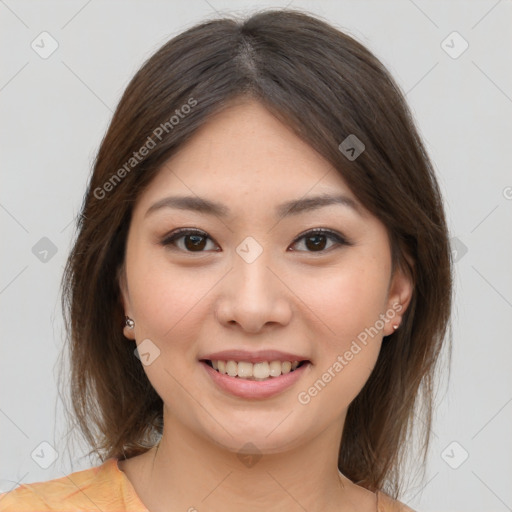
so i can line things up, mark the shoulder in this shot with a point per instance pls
(387, 504)
(98, 488)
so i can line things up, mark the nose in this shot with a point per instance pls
(254, 297)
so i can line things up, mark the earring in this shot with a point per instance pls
(129, 322)
(395, 327)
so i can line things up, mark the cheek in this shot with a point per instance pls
(348, 300)
(165, 300)
(169, 307)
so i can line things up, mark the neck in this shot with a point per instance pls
(191, 473)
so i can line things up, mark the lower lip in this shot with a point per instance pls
(244, 388)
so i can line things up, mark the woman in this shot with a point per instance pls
(261, 282)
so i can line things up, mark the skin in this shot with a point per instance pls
(306, 301)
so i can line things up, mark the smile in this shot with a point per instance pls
(254, 371)
(264, 381)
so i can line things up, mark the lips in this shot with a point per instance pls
(254, 374)
(254, 389)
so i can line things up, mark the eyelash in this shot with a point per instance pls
(339, 239)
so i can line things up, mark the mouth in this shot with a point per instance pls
(260, 371)
(255, 381)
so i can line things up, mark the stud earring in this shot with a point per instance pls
(395, 327)
(129, 323)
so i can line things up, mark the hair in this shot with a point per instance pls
(325, 86)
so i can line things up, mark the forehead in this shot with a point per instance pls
(244, 154)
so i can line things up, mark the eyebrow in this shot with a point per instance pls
(293, 207)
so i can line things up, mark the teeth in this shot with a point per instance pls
(261, 370)
(256, 371)
(245, 369)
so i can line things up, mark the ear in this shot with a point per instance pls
(125, 299)
(400, 292)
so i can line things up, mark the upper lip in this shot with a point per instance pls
(253, 357)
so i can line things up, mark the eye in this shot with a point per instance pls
(194, 240)
(316, 240)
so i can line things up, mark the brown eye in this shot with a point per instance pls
(316, 241)
(193, 240)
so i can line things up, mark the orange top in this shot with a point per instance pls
(104, 488)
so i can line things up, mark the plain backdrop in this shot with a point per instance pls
(54, 110)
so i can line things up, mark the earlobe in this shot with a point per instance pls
(128, 328)
(127, 333)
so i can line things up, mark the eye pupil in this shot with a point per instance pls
(198, 241)
(317, 244)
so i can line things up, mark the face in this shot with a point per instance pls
(312, 283)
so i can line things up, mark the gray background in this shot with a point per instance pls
(54, 113)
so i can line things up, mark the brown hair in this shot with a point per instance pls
(325, 86)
